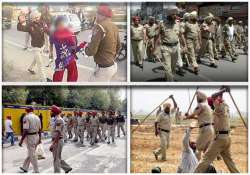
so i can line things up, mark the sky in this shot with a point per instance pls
(144, 100)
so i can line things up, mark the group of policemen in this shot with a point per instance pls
(98, 128)
(177, 42)
(93, 127)
(46, 33)
(213, 140)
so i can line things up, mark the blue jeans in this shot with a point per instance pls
(11, 135)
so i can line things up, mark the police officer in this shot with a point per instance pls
(104, 45)
(81, 127)
(37, 30)
(87, 125)
(170, 35)
(57, 142)
(151, 32)
(75, 124)
(138, 36)
(94, 124)
(193, 39)
(207, 39)
(111, 127)
(103, 125)
(32, 137)
(120, 124)
(163, 127)
(65, 119)
(228, 36)
(221, 145)
(204, 115)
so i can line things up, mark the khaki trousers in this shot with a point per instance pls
(93, 131)
(38, 61)
(207, 45)
(80, 133)
(164, 144)
(120, 126)
(191, 50)
(57, 156)
(104, 74)
(31, 143)
(75, 132)
(219, 146)
(137, 47)
(103, 127)
(111, 132)
(170, 56)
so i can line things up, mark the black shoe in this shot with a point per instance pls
(108, 142)
(31, 71)
(140, 65)
(25, 171)
(48, 80)
(181, 71)
(198, 61)
(26, 48)
(118, 136)
(213, 65)
(234, 59)
(68, 170)
(196, 70)
(75, 140)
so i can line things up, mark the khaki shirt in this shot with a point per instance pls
(94, 122)
(221, 117)
(191, 30)
(137, 33)
(58, 127)
(170, 33)
(75, 120)
(31, 123)
(105, 43)
(164, 120)
(205, 115)
(151, 31)
(81, 121)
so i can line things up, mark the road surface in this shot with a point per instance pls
(227, 71)
(102, 158)
(16, 61)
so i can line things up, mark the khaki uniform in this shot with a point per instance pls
(75, 124)
(87, 125)
(192, 32)
(221, 145)
(32, 124)
(207, 39)
(70, 127)
(81, 128)
(164, 126)
(103, 126)
(104, 46)
(94, 124)
(65, 119)
(206, 130)
(239, 30)
(111, 129)
(218, 38)
(57, 150)
(169, 34)
(137, 40)
(151, 32)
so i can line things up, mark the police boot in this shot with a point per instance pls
(181, 71)
(113, 140)
(198, 61)
(213, 65)
(234, 59)
(196, 70)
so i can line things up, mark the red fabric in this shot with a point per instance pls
(80, 113)
(210, 101)
(9, 117)
(72, 73)
(104, 10)
(65, 33)
(136, 18)
(55, 109)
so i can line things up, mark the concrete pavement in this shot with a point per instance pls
(16, 61)
(102, 158)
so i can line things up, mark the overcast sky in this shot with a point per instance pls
(146, 99)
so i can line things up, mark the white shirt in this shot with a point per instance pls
(230, 32)
(8, 125)
(188, 159)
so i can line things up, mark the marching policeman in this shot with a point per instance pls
(221, 145)
(120, 124)
(111, 127)
(57, 142)
(105, 45)
(75, 124)
(32, 137)
(70, 126)
(94, 124)
(103, 125)
(81, 127)
(163, 127)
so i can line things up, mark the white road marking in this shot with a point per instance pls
(21, 46)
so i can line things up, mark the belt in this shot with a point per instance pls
(32, 133)
(170, 44)
(105, 66)
(205, 124)
(223, 132)
(206, 38)
(164, 130)
(137, 39)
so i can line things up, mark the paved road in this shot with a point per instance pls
(16, 60)
(226, 71)
(102, 158)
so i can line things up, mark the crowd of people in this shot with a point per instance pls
(44, 34)
(213, 140)
(182, 41)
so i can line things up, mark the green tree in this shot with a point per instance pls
(14, 95)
